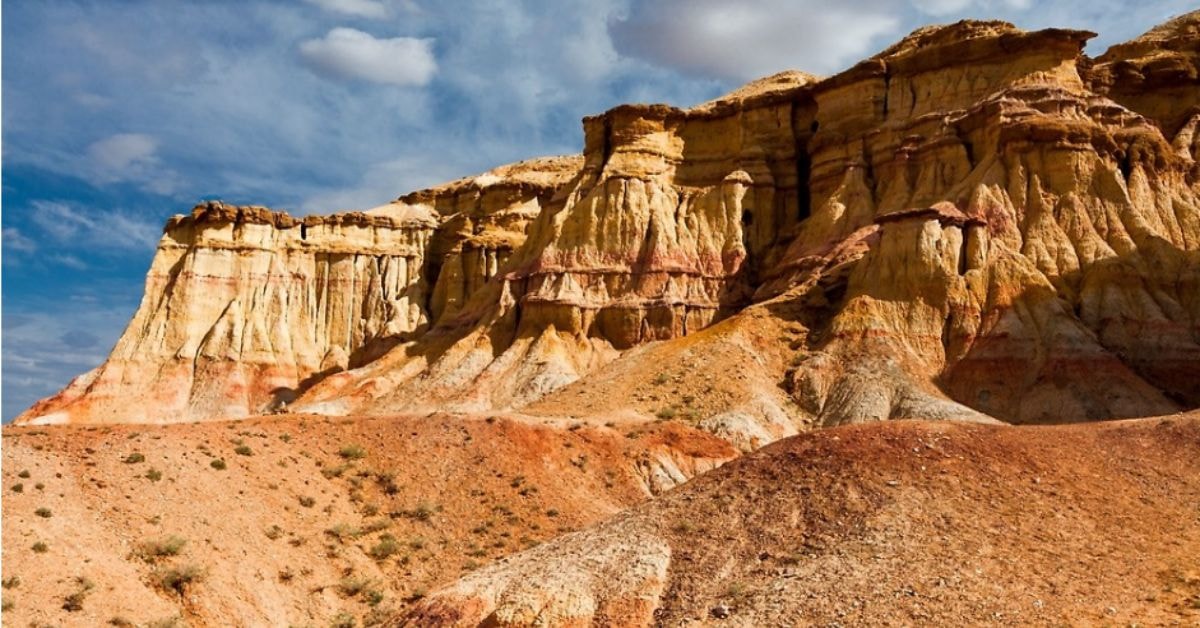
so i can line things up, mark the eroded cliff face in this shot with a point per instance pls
(977, 223)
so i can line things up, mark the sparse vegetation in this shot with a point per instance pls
(343, 620)
(18, 488)
(40, 548)
(243, 450)
(24, 474)
(134, 458)
(351, 586)
(285, 437)
(666, 413)
(385, 548)
(373, 597)
(6, 605)
(11, 583)
(274, 532)
(151, 551)
(343, 531)
(334, 472)
(120, 622)
(74, 601)
(660, 379)
(154, 475)
(218, 464)
(352, 452)
(177, 578)
(552, 513)
(44, 513)
(307, 502)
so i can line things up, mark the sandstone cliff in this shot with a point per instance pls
(977, 223)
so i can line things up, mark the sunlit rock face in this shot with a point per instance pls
(977, 223)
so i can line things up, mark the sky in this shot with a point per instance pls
(118, 114)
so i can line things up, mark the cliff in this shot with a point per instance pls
(977, 223)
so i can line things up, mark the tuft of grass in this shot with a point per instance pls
(351, 586)
(44, 513)
(243, 450)
(178, 578)
(40, 548)
(552, 513)
(660, 379)
(120, 622)
(285, 437)
(151, 551)
(134, 458)
(7, 605)
(74, 601)
(154, 475)
(385, 548)
(18, 488)
(416, 594)
(307, 502)
(343, 531)
(416, 543)
(11, 583)
(24, 474)
(218, 464)
(274, 532)
(334, 472)
(373, 597)
(665, 413)
(343, 620)
(352, 452)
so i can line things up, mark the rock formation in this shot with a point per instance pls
(977, 223)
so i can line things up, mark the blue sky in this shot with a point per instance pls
(118, 114)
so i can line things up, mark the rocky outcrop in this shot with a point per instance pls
(977, 223)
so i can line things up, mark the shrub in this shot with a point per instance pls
(6, 605)
(552, 513)
(44, 513)
(385, 548)
(660, 379)
(120, 622)
(417, 543)
(343, 620)
(218, 464)
(665, 413)
(343, 531)
(373, 597)
(177, 579)
(333, 472)
(285, 437)
(11, 583)
(352, 452)
(416, 594)
(243, 450)
(307, 502)
(74, 601)
(154, 475)
(274, 532)
(18, 488)
(134, 458)
(351, 586)
(40, 548)
(39, 486)
(151, 551)
(24, 474)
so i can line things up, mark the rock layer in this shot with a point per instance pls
(977, 223)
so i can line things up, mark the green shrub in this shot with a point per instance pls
(307, 502)
(177, 579)
(352, 452)
(134, 458)
(44, 513)
(218, 464)
(74, 601)
(343, 620)
(154, 475)
(243, 450)
(385, 548)
(151, 551)
(351, 586)
(274, 532)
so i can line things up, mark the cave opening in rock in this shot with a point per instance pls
(303, 232)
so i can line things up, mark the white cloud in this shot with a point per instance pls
(746, 40)
(99, 229)
(14, 240)
(350, 53)
(129, 157)
(118, 153)
(384, 182)
(359, 8)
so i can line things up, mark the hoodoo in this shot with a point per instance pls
(978, 223)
